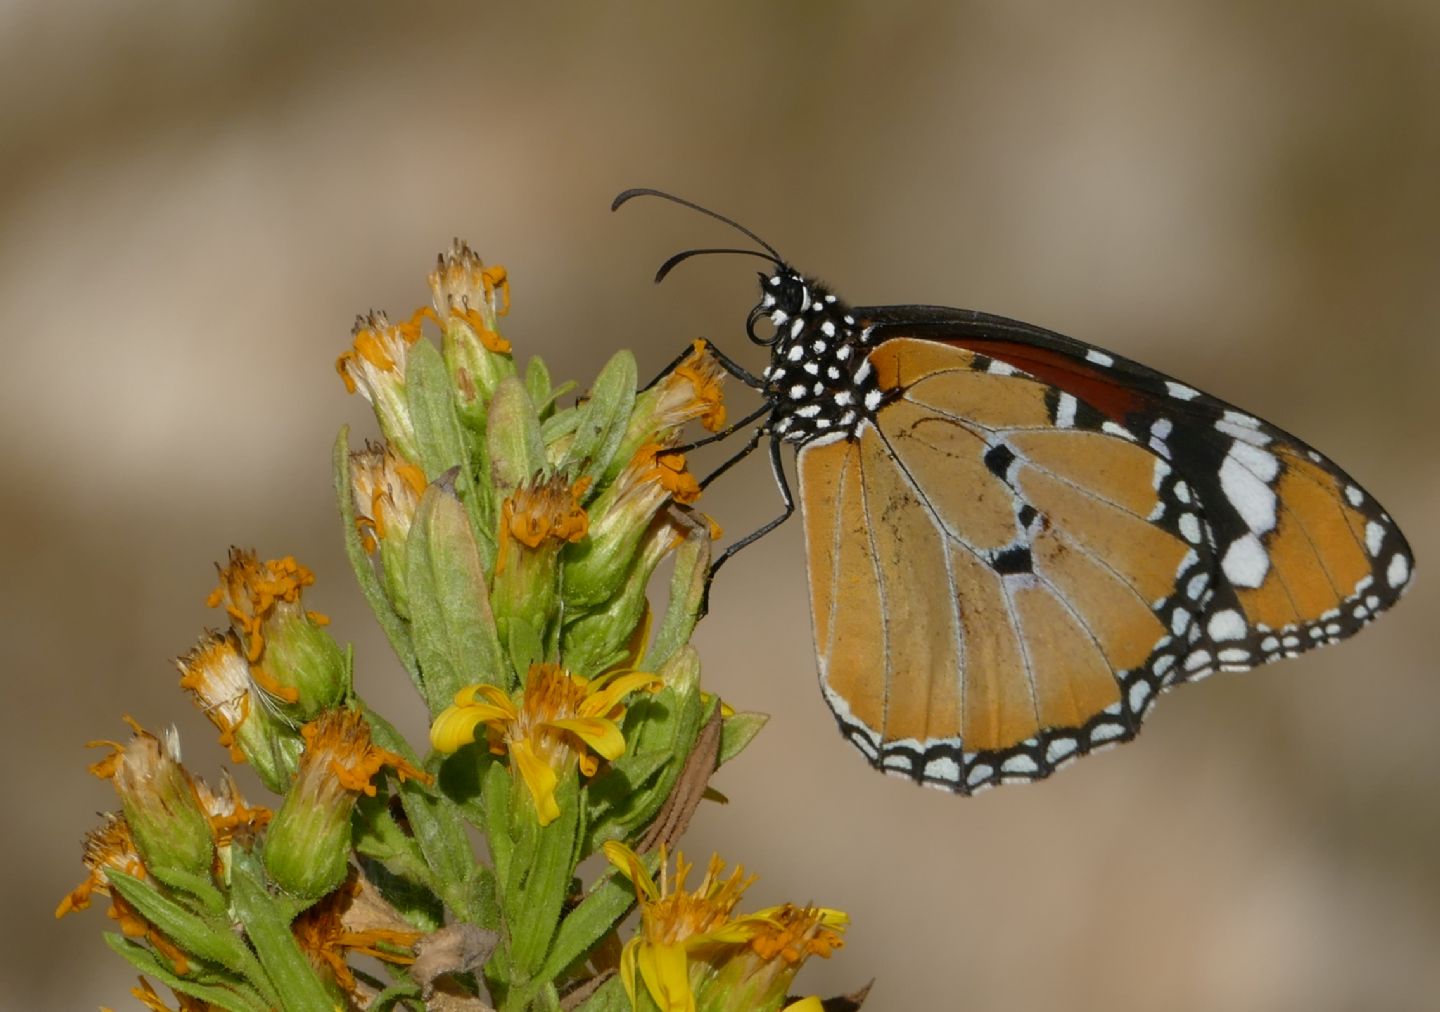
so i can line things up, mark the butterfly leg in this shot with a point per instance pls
(726, 362)
(778, 469)
(726, 433)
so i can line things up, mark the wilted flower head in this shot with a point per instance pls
(290, 655)
(691, 391)
(462, 287)
(111, 847)
(160, 800)
(375, 366)
(308, 844)
(329, 931)
(386, 489)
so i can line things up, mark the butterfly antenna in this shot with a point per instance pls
(678, 258)
(629, 195)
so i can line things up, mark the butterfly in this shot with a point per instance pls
(1016, 540)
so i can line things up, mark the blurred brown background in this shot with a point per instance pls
(196, 199)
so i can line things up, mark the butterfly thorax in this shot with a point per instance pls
(819, 381)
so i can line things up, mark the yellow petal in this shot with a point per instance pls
(608, 690)
(600, 734)
(455, 727)
(628, 862)
(539, 778)
(667, 977)
(627, 967)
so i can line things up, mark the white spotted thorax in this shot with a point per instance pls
(819, 378)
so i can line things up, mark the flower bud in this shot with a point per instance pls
(291, 656)
(375, 366)
(162, 807)
(597, 567)
(218, 676)
(536, 520)
(307, 848)
(469, 299)
(386, 490)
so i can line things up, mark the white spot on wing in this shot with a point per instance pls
(1374, 537)
(1226, 625)
(1180, 391)
(1246, 562)
(943, 768)
(1065, 411)
(1244, 476)
(1098, 357)
(1398, 571)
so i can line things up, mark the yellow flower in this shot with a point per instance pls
(692, 952)
(559, 719)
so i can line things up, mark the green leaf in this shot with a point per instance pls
(438, 432)
(537, 385)
(440, 833)
(540, 878)
(268, 927)
(603, 417)
(597, 914)
(200, 887)
(557, 428)
(687, 593)
(210, 940)
(737, 732)
(610, 997)
(612, 795)
(517, 451)
(231, 995)
(396, 629)
(454, 631)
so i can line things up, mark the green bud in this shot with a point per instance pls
(290, 655)
(536, 521)
(597, 567)
(603, 638)
(517, 452)
(452, 625)
(306, 662)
